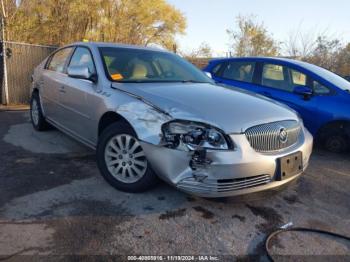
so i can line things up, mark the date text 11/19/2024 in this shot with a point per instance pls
(173, 258)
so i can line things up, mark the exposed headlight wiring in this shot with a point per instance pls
(192, 136)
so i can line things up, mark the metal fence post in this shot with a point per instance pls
(5, 82)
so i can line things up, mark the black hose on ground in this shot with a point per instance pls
(298, 229)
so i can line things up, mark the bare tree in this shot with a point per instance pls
(300, 44)
(203, 51)
(251, 38)
(326, 53)
(343, 61)
(320, 48)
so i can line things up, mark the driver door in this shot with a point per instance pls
(78, 99)
(278, 82)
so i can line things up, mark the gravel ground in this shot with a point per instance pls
(55, 205)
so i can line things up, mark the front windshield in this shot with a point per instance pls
(330, 77)
(141, 66)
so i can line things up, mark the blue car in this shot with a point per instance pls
(321, 97)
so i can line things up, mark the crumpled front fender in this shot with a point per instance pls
(146, 120)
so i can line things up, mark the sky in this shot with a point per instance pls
(208, 20)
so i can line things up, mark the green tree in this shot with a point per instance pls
(251, 38)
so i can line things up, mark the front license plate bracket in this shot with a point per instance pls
(289, 166)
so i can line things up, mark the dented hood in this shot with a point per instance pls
(233, 111)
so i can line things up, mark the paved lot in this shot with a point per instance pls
(54, 202)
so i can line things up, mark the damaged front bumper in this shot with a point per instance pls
(225, 173)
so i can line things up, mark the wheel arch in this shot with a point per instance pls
(35, 90)
(109, 118)
(143, 119)
(342, 125)
(35, 87)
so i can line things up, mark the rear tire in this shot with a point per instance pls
(122, 161)
(36, 114)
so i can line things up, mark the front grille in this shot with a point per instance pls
(268, 137)
(223, 186)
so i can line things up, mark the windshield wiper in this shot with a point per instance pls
(193, 81)
(144, 81)
(161, 81)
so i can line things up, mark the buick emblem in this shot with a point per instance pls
(283, 136)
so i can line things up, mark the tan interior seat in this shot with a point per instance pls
(85, 59)
(139, 72)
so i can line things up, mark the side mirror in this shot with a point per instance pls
(303, 91)
(209, 75)
(81, 72)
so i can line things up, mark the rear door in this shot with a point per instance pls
(240, 74)
(53, 80)
(77, 99)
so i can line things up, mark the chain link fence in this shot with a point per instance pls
(21, 59)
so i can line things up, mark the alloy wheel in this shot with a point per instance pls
(125, 158)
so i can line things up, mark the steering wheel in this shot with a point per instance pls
(168, 74)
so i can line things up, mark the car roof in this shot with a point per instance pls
(262, 59)
(109, 44)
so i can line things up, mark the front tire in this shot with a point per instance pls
(36, 114)
(336, 143)
(122, 161)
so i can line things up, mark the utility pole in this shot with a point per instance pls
(3, 38)
(175, 48)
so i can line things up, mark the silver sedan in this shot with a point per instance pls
(149, 114)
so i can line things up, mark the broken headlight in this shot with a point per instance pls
(192, 136)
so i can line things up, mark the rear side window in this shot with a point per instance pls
(82, 57)
(276, 76)
(59, 60)
(239, 71)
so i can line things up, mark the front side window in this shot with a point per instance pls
(298, 78)
(138, 65)
(59, 60)
(216, 69)
(283, 78)
(82, 57)
(239, 71)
